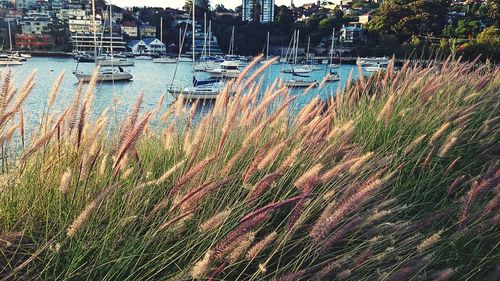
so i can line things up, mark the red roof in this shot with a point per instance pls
(129, 24)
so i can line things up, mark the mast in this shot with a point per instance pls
(10, 36)
(161, 29)
(331, 48)
(180, 39)
(267, 47)
(194, 31)
(297, 46)
(111, 31)
(204, 52)
(308, 43)
(95, 31)
(210, 36)
(232, 42)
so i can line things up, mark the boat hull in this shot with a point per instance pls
(300, 83)
(10, 63)
(104, 77)
(116, 63)
(223, 74)
(165, 60)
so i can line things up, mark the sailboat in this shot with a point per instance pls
(163, 59)
(111, 60)
(298, 82)
(206, 63)
(331, 75)
(309, 64)
(293, 68)
(113, 74)
(200, 90)
(267, 53)
(6, 60)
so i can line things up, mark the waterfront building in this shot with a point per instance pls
(84, 42)
(34, 41)
(7, 4)
(146, 46)
(81, 21)
(351, 34)
(59, 4)
(36, 22)
(129, 28)
(25, 4)
(365, 18)
(266, 10)
(147, 31)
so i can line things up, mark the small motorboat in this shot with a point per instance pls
(6, 60)
(332, 77)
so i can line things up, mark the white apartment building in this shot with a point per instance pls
(266, 10)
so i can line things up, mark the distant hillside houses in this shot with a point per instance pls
(146, 46)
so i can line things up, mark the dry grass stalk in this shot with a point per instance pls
(241, 247)
(429, 242)
(414, 143)
(215, 221)
(130, 141)
(170, 172)
(337, 169)
(8, 133)
(89, 209)
(201, 268)
(190, 174)
(65, 181)
(360, 162)
(261, 187)
(324, 225)
(102, 166)
(55, 89)
(439, 132)
(289, 160)
(261, 246)
(308, 178)
(447, 146)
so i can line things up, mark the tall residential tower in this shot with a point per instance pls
(266, 13)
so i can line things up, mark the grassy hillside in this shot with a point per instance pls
(394, 178)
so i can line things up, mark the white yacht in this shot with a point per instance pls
(113, 74)
(375, 68)
(205, 66)
(227, 69)
(6, 60)
(199, 91)
(112, 61)
(372, 61)
(298, 70)
(332, 76)
(104, 75)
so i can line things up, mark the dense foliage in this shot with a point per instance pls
(395, 177)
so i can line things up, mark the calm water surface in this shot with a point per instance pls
(150, 78)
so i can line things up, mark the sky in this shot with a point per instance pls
(180, 3)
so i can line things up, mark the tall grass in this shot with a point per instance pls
(396, 177)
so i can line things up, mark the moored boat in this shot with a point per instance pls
(5, 60)
(227, 69)
(104, 75)
(299, 83)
